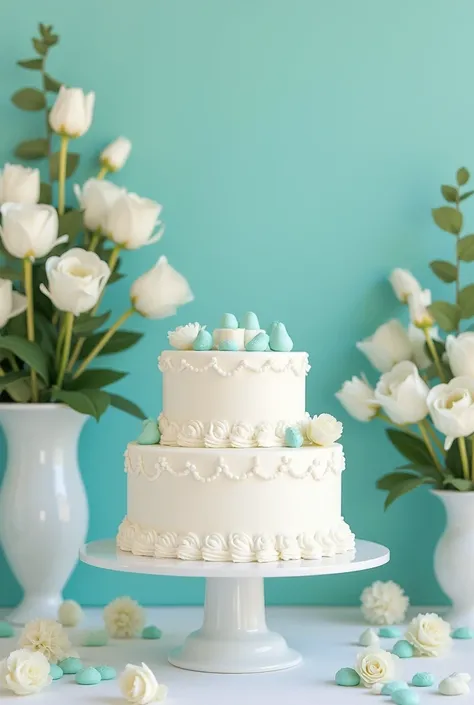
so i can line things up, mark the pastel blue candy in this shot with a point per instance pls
(250, 321)
(259, 343)
(228, 345)
(347, 677)
(405, 697)
(293, 437)
(70, 665)
(203, 341)
(151, 632)
(392, 686)
(390, 632)
(423, 679)
(403, 649)
(229, 321)
(107, 673)
(280, 341)
(272, 325)
(6, 630)
(150, 434)
(99, 637)
(88, 676)
(463, 633)
(56, 672)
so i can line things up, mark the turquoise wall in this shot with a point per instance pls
(297, 147)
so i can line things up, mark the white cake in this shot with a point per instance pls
(222, 485)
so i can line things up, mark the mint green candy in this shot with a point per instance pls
(250, 321)
(390, 632)
(405, 697)
(98, 637)
(151, 632)
(56, 672)
(259, 343)
(423, 679)
(88, 676)
(71, 665)
(229, 321)
(6, 630)
(107, 673)
(293, 437)
(403, 649)
(280, 341)
(392, 686)
(347, 677)
(463, 633)
(203, 341)
(228, 345)
(150, 434)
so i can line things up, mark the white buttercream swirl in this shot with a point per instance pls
(288, 548)
(189, 548)
(126, 535)
(241, 548)
(270, 435)
(265, 548)
(191, 435)
(144, 542)
(168, 430)
(217, 435)
(215, 548)
(166, 545)
(242, 435)
(342, 537)
(310, 547)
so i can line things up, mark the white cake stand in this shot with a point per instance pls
(234, 637)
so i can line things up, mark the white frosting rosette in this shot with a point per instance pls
(241, 548)
(309, 546)
(343, 538)
(242, 435)
(126, 535)
(169, 431)
(215, 548)
(265, 550)
(288, 548)
(166, 545)
(270, 435)
(217, 435)
(191, 435)
(144, 542)
(189, 548)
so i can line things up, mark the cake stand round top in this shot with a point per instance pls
(105, 554)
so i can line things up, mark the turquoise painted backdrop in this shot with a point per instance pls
(297, 147)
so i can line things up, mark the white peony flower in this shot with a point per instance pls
(418, 343)
(404, 284)
(11, 302)
(183, 337)
(384, 603)
(455, 684)
(139, 685)
(131, 221)
(374, 665)
(29, 230)
(460, 352)
(96, 198)
(429, 635)
(71, 114)
(114, 156)
(19, 184)
(417, 306)
(402, 393)
(25, 672)
(124, 618)
(48, 637)
(159, 292)
(70, 613)
(387, 346)
(357, 397)
(323, 430)
(452, 408)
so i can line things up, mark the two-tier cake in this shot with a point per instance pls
(235, 469)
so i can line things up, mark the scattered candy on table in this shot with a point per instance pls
(107, 673)
(6, 630)
(389, 632)
(56, 672)
(403, 649)
(455, 684)
(71, 665)
(463, 633)
(369, 638)
(88, 676)
(405, 697)
(423, 679)
(97, 637)
(347, 677)
(151, 632)
(392, 686)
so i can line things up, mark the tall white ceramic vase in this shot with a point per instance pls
(43, 504)
(454, 556)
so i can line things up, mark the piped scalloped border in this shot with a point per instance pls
(166, 364)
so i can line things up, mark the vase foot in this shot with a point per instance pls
(461, 618)
(35, 607)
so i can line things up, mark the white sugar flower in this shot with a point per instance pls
(114, 156)
(324, 430)
(404, 284)
(48, 637)
(429, 634)
(25, 672)
(374, 665)
(384, 603)
(139, 685)
(183, 337)
(124, 618)
(70, 613)
(357, 397)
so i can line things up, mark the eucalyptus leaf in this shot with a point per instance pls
(445, 271)
(462, 176)
(96, 379)
(466, 248)
(402, 488)
(14, 275)
(32, 64)
(448, 219)
(450, 193)
(71, 166)
(446, 315)
(28, 351)
(39, 46)
(122, 340)
(92, 402)
(466, 301)
(51, 84)
(468, 194)
(29, 99)
(410, 446)
(125, 405)
(71, 223)
(32, 149)
(46, 193)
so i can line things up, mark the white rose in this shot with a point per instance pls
(76, 280)
(429, 635)
(71, 114)
(96, 199)
(357, 397)
(417, 306)
(324, 430)
(29, 230)
(418, 344)
(11, 302)
(183, 337)
(374, 665)
(387, 346)
(452, 408)
(159, 292)
(114, 156)
(402, 393)
(132, 220)
(404, 284)
(25, 672)
(19, 184)
(460, 351)
(139, 685)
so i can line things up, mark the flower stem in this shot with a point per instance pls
(436, 439)
(472, 458)
(102, 173)
(67, 327)
(30, 320)
(62, 174)
(430, 448)
(102, 342)
(464, 460)
(94, 240)
(60, 341)
(434, 354)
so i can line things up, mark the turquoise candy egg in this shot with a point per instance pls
(423, 679)
(71, 665)
(203, 341)
(229, 321)
(6, 630)
(403, 649)
(228, 345)
(272, 325)
(56, 672)
(250, 321)
(150, 434)
(88, 676)
(280, 341)
(390, 688)
(107, 673)
(390, 632)
(347, 677)
(405, 697)
(95, 638)
(463, 633)
(152, 632)
(293, 437)
(258, 344)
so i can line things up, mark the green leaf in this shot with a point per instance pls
(39, 46)
(71, 223)
(71, 166)
(450, 193)
(31, 353)
(387, 482)
(33, 64)
(13, 275)
(439, 346)
(466, 301)
(402, 488)
(51, 84)
(122, 340)
(46, 193)
(29, 99)
(51, 39)
(453, 458)
(86, 324)
(12, 377)
(459, 483)
(125, 405)
(448, 219)
(20, 390)
(445, 271)
(32, 149)
(462, 176)
(446, 315)
(115, 277)
(409, 445)
(468, 194)
(466, 248)
(96, 378)
(92, 402)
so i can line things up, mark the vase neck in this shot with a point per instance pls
(459, 506)
(34, 422)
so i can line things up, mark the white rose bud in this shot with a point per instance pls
(374, 665)
(460, 351)
(417, 306)
(76, 280)
(324, 430)
(96, 198)
(19, 184)
(418, 343)
(29, 230)
(25, 672)
(139, 686)
(429, 634)
(114, 156)
(132, 220)
(357, 397)
(387, 346)
(452, 408)
(402, 394)
(404, 284)
(159, 292)
(71, 114)
(11, 302)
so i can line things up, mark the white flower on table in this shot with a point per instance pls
(25, 672)
(114, 156)
(183, 337)
(19, 184)
(11, 302)
(374, 665)
(404, 284)
(140, 687)
(160, 292)
(124, 618)
(71, 114)
(429, 634)
(460, 351)
(324, 430)
(96, 198)
(384, 603)
(452, 408)
(357, 397)
(387, 346)
(29, 230)
(48, 638)
(402, 393)
(132, 220)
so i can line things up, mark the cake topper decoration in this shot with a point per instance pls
(259, 343)
(228, 346)
(183, 337)
(150, 434)
(229, 321)
(203, 341)
(249, 321)
(280, 341)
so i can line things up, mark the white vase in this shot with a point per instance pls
(454, 556)
(43, 504)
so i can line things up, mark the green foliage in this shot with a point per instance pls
(410, 446)
(96, 379)
(403, 487)
(453, 459)
(445, 271)
(123, 340)
(459, 483)
(87, 323)
(450, 193)
(465, 248)
(32, 64)
(29, 352)
(71, 223)
(14, 275)
(86, 401)
(125, 405)
(29, 99)
(32, 149)
(466, 194)
(71, 164)
(462, 176)
(50, 84)
(448, 219)
(466, 301)
(446, 315)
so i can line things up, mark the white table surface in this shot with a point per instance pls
(325, 636)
